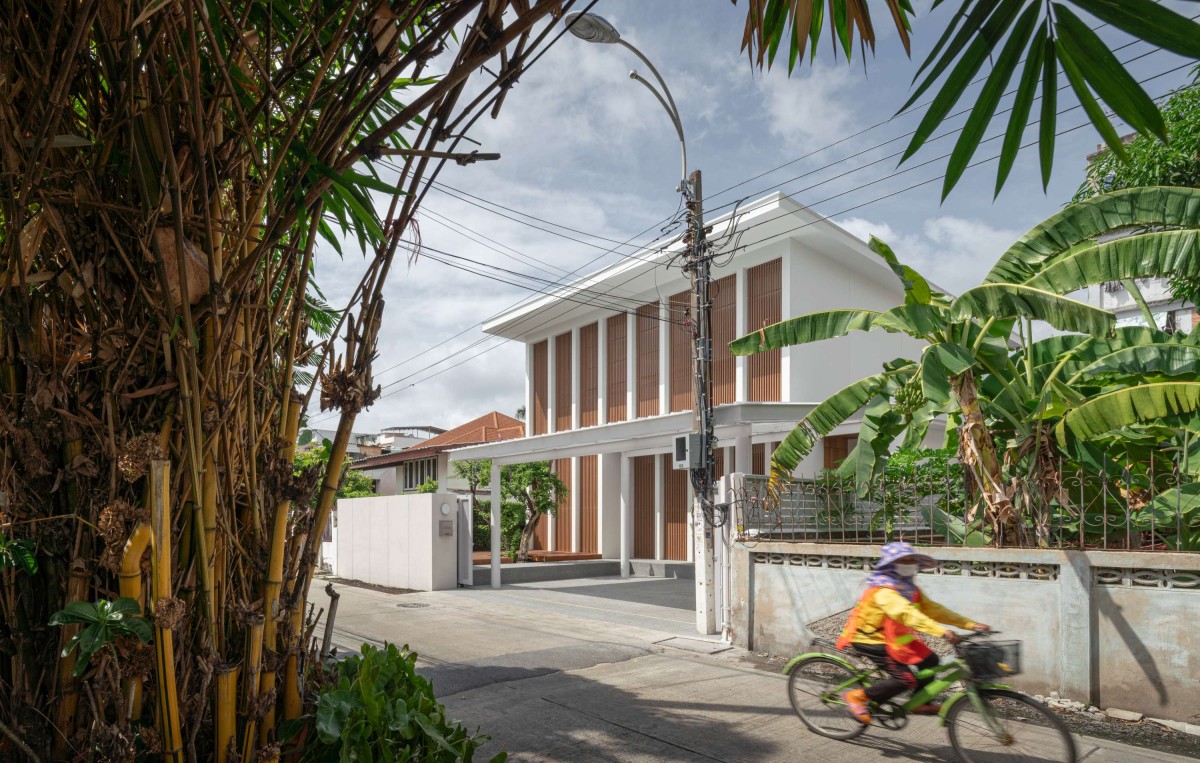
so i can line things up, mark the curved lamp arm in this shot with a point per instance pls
(674, 115)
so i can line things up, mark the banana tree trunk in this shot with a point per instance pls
(977, 452)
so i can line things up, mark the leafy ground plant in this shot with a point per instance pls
(18, 554)
(381, 709)
(102, 621)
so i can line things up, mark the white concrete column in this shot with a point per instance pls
(602, 371)
(574, 379)
(495, 485)
(626, 513)
(551, 386)
(692, 520)
(660, 539)
(575, 505)
(664, 358)
(741, 389)
(549, 520)
(528, 390)
(744, 455)
(631, 322)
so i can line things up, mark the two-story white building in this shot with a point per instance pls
(609, 375)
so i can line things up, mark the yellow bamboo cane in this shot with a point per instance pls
(226, 710)
(131, 588)
(168, 693)
(254, 641)
(68, 697)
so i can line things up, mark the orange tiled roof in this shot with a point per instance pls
(491, 427)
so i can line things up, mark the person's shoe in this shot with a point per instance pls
(929, 709)
(856, 704)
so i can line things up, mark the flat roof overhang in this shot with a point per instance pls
(650, 434)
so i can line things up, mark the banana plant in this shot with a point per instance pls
(1014, 410)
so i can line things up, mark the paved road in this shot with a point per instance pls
(556, 674)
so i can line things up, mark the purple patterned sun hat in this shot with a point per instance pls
(894, 552)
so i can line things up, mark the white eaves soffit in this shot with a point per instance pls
(770, 220)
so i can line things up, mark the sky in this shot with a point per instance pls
(586, 148)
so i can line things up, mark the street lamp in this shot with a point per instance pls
(697, 264)
(592, 28)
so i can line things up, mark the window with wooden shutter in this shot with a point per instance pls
(589, 383)
(680, 392)
(541, 388)
(764, 306)
(647, 360)
(723, 295)
(617, 367)
(562, 382)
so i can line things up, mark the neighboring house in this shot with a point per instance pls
(609, 382)
(360, 445)
(406, 470)
(1169, 313)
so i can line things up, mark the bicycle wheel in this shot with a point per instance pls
(1012, 729)
(815, 686)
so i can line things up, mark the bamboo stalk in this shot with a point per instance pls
(167, 690)
(274, 582)
(254, 642)
(68, 686)
(131, 588)
(225, 703)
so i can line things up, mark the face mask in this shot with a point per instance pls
(907, 570)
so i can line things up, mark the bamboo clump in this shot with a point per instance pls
(169, 172)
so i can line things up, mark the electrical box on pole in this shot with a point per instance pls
(688, 453)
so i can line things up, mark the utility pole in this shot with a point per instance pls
(705, 518)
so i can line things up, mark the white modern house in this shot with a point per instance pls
(609, 375)
(1170, 314)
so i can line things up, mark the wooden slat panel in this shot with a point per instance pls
(758, 458)
(764, 306)
(563, 525)
(836, 448)
(589, 504)
(643, 507)
(617, 367)
(724, 323)
(680, 357)
(674, 497)
(562, 382)
(589, 382)
(541, 388)
(647, 360)
(718, 463)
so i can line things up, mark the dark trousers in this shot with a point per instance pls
(900, 678)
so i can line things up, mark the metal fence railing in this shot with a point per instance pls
(1121, 509)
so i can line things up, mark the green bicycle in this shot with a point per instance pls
(987, 722)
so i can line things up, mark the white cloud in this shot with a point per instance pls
(953, 252)
(811, 108)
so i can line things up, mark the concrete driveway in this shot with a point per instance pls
(606, 669)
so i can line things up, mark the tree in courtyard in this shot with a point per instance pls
(477, 473)
(311, 464)
(538, 491)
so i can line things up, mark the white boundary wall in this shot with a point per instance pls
(1114, 628)
(399, 541)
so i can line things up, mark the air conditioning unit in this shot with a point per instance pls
(687, 451)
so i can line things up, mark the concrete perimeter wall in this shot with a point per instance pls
(1117, 629)
(397, 541)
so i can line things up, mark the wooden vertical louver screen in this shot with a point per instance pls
(647, 360)
(589, 504)
(724, 330)
(758, 458)
(718, 463)
(589, 379)
(764, 306)
(616, 371)
(643, 507)
(563, 526)
(562, 382)
(541, 388)
(837, 448)
(674, 511)
(680, 349)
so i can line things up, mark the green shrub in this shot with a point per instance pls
(381, 709)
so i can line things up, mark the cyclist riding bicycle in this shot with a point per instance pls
(881, 628)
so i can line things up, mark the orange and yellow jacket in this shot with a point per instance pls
(923, 616)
